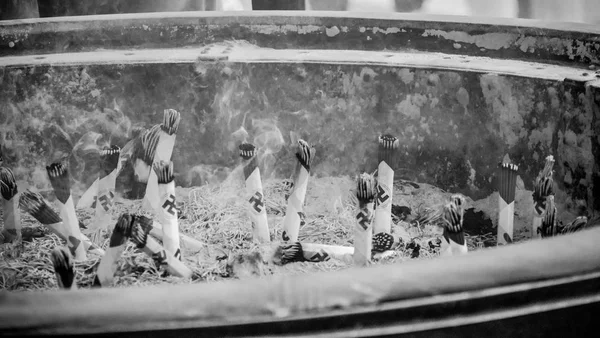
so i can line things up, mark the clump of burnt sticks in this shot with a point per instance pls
(109, 158)
(248, 152)
(62, 261)
(508, 181)
(387, 150)
(288, 253)
(164, 172)
(548, 228)
(544, 185)
(60, 180)
(305, 154)
(366, 187)
(8, 184)
(140, 229)
(171, 120)
(34, 204)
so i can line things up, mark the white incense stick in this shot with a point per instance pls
(167, 212)
(10, 206)
(295, 204)
(388, 147)
(118, 242)
(543, 187)
(507, 184)
(139, 235)
(60, 180)
(363, 230)
(254, 194)
(62, 261)
(164, 151)
(454, 242)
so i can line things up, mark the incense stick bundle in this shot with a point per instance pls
(109, 158)
(60, 181)
(549, 226)
(167, 213)
(188, 242)
(118, 242)
(543, 187)
(388, 147)
(295, 203)
(10, 206)
(62, 261)
(140, 230)
(311, 252)
(454, 242)
(507, 184)
(34, 204)
(164, 150)
(363, 230)
(579, 223)
(254, 191)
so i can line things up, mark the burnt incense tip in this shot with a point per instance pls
(140, 229)
(305, 154)
(453, 214)
(366, 187)
(110, 156)
(171, 119)
(247, 150)
(8, 184)
(543, 187)
(577, 224)
(62, 260)
(382, 242)
(388, 141)
(124, 225)
(164, 171)
(149, 142)
(36, 205)
(291, 253)
(548, 228)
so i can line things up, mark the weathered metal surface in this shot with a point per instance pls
(500, 38)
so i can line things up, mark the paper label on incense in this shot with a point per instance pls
(104, 202)
(88, 199)
(291, 222)
(165, 258)
(164, 151)
(321, 252)
(383, 212)
(506, 213)
(108, 264)
(256, 207)
(73, 234)
(167, 216)
(363, 236)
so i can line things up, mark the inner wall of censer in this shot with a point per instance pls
(454, 127)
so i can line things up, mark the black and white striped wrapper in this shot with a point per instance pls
(10, 206)
(105, 192)
(166, 214)
(388, 147)
(254, 194)
(453, 241)
(60, 180)
(313, 252)
(363, 229)
(117, 244)
(164, 151)
(295, 203)
(507, 184)
(62, 261)
(543, 187)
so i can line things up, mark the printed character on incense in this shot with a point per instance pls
(363, 230)
(254, 193)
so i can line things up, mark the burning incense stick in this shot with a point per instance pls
(542, 188)
(507, 184)
(548, 228)
(311, 252)
(579, 223)
(139, 235)
(363, 230)
(63, 268)
(164, 149)
(256, 205)
(118, 241)
(454, 242)
(167, 213)
(295, 204)
(34, 204)
(60, 180)
(10, 206)
(109, 158)
(382, 242)
(388, 146)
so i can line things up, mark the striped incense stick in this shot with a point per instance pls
(311, 252)
(60, 181)
(363, 230)
(118, 241)
(295, 203)
(10, 206)
(167, 213)
(34, 204)
(549, 226)
(543, 187)
(454, 242)
(109, 158)
(256, 204)
(164, 150)
(507, 184)
(62, 261)
(388, 147)
(139, 235)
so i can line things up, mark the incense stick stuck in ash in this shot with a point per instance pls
(506, 202)
(363, 230)
(62, 261)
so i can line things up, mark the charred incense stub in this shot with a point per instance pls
(542, 188)
(140, 229)
(388, 146)
(305, 154)
(34, 204)
(508, 181)
(122, 230)
(453, 215)
(60, 181)
(164, 172)
(8, 184)
(548, 228)
(382, 242)
(171, 119)
(109, 157)
(62, 260)
(291, 253)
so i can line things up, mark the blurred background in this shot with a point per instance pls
(586, 11)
